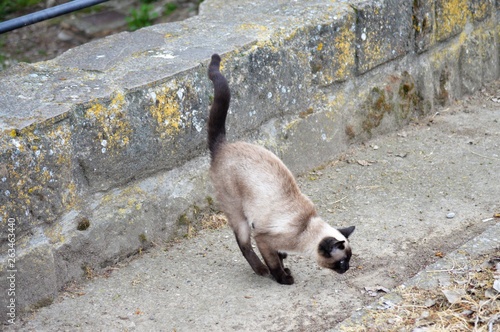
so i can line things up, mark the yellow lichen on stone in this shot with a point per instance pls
(267, 44)
(262, 31)
(344, 44)
(54, 233)
(170, 35)
(373, 51)
(454, 14)
(127, 201)
(166, 111)
(113, 125)
(291, 35)
(22, 178)
(28, 140)
(69, 196)
(480, 10)
(61, 144)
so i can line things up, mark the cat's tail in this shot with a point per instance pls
(220, 105)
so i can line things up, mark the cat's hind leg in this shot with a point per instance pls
(242, 233)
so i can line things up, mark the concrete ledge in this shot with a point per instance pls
(103, 148)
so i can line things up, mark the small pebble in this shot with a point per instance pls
(491, 293)
(429, 303)
(450, 215)
(65, 36)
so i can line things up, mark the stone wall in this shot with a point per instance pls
(102, 150)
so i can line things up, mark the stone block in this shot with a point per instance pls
(389, 104)
(137, 133)
(34, 277)
(122, 221)
(383, 32)
(37, 183)
(471, 65)
(445, 75)
(478, 60)
(260, 77)
(331, 49)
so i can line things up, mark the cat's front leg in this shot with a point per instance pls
(280, 274)
(274, 260)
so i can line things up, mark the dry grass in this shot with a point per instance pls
(476, 306)
(213, 221)
(196, 219)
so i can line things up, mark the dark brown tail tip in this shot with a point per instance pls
(215, 59)
(214, 66)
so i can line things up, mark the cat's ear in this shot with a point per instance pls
(328, 245)
(347, 231)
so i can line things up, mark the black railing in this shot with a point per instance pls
(46, 14)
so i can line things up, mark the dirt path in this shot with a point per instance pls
(414, 196)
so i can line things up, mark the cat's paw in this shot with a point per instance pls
(287, 271)
(286, 280)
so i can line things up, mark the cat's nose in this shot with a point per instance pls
(344, 265)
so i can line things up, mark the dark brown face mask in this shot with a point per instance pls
(342, 266)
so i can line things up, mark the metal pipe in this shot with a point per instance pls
(46, 14)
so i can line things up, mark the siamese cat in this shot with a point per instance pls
(259, 195)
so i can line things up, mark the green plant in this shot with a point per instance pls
(141, 17)
(2, 61)
(170, 8)
(8, 7)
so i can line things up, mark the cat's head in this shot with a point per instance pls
(334, 252)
